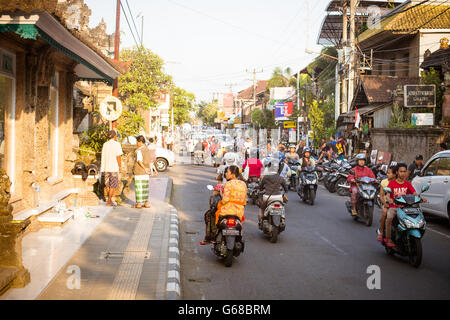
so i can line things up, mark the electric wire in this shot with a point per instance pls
(129, 26)
(132, 19)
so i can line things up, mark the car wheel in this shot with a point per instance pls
(161, 164)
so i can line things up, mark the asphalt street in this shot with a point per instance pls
(322, 254)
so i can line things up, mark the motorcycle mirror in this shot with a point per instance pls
(387, 190)
(210, 187)
(426, 188)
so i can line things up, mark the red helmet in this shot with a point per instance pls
(218, 187)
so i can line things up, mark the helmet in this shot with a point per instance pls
(307, 149)
(360, 156)
(229, 158)
(272, 166)
(292, 146)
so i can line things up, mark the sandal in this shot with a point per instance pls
(390, 244)
(204, 243)
(146, 205)
(354, 213)
(137, 206)
(380, 238)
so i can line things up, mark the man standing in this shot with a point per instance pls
(141, 172)
(111, 164)
(169, 141)
(341, 147)
(415, 167)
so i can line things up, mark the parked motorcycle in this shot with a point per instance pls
(293, 166)
(364, 207)
(274, 217)
(342, 187)
(253, 189)
(229, 242)
(331, 178)
(307, 188)
(408, 228)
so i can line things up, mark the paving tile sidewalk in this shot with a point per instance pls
(128, 256)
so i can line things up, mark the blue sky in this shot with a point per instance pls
(214, 42)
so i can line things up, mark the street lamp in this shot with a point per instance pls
(171, 98)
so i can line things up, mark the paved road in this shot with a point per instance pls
(323, 254)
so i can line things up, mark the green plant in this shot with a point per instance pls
(317, 122)
(433, 77)
(93, 139)
(263, 119)
(400, 118)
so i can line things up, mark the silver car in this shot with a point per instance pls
(436, 172)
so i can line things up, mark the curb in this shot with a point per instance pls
(173, 288)
(169, 191)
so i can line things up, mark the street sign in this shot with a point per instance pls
(289, 124)
(420, 95)
(111, 108)
(422, 119)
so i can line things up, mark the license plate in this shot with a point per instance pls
(276, 212)
(230, 232)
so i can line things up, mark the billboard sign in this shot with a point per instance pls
(281, 93)
(420, 95)
(283, 110)
(422, 119)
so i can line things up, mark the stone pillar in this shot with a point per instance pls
(10, 241)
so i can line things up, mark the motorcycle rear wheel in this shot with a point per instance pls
(368, 214)
(274, 235)
(312, 196)
(340, 190)
(415, 252)
(228, 261)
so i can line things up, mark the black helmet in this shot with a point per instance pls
(80, 169)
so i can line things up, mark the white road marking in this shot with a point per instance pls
(330, 243)
(442, 234)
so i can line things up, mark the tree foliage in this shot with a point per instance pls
(263, 119)
(207, 112)
(317, 122)
(183, 104)
(145, 80)
(433, 77)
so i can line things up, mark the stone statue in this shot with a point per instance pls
(10, 241)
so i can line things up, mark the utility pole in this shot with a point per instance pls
(353, 63)
(142, 27)
(230, 85)
(254, 88)
(344, 45)
(115, 91)
(116, 46)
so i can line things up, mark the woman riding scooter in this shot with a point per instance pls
(360, 171)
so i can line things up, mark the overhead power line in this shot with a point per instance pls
(129, 26)
(132, 19)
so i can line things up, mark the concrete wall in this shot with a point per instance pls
(405, 144)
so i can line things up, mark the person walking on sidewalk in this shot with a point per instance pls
(152, 147)
(141, 173)
(111, 164)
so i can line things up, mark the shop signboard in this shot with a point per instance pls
(420, 95)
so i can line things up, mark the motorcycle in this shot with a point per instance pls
(308, 187)
(293, 166)
(229, 241)
(274, 218)
(331, 177)
(365, 204)
(408, 228)
(342, 187)
(252, 188)
(198, 157)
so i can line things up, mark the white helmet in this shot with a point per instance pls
(230, 159)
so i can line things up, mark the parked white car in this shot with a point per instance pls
(164, 157)
(436, 172)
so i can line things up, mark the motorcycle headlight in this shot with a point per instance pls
(413, 225)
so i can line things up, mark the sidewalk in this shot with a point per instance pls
(126, 254)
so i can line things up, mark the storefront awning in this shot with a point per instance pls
(349, 117)
(92, 66)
